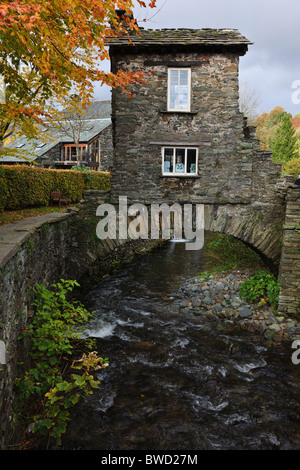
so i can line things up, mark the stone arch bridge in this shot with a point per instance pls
(268, 221)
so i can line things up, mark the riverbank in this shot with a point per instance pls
(215, 300)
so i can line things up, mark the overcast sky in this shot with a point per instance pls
(272, 63)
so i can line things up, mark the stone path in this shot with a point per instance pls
(215, 298)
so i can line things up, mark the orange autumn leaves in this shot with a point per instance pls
(61, 38)
(12, 13)
(51, 47)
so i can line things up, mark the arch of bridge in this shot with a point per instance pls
(260, 232)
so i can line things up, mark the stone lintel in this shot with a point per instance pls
(181, 144)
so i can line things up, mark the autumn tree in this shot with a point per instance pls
(266, 126)
(284, 142)
(51, 48)
(297, 135)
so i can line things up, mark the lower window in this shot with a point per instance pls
(179, 161)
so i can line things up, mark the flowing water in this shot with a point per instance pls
(172, 383)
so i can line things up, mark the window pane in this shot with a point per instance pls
(95, 144)
(180, 161)
(94, 155)
(183, 78)
(95, 150)
(191, 161)
(73, 154)
(179, 92)
(168, 161)
(183, 91)
(174, 89)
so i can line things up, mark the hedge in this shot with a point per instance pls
(22, 186)
(94, 179)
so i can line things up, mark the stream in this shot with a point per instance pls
(170, 384)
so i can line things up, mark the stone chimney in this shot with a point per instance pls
(123, 17)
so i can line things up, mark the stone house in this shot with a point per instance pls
(58, 151)
(181, 137)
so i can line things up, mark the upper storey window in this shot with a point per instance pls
(179, 89)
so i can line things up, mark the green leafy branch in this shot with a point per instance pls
(55, 334)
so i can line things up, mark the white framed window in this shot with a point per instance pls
(179, 161)
(179, 89)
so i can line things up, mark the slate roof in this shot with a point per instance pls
(183, 36)
(101, 109)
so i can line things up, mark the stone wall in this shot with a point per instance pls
(289, 299)
(269, 186)
(91, 257)
(53, 155)
(106, 147)
(31, 251)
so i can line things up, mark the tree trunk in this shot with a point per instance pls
(78, 153)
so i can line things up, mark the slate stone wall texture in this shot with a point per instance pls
(289, 301)
(215, 127)
(54, 154)
(106, 146)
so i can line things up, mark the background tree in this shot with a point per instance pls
(284, 142)
(267, 125)
(50, 48)
(297, 135)
(72, 121)
(262, 133)
(249, 102)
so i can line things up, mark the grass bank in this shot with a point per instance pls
(224, 253)
(8, 217)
